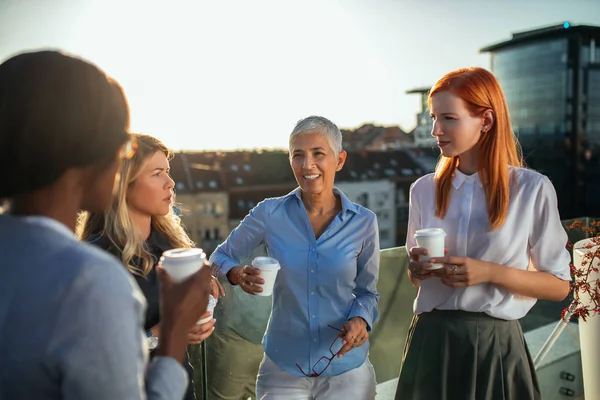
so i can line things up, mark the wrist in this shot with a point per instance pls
(234, 275)
(494, 273)
(361, 320)
(173, 343)
(155, 330)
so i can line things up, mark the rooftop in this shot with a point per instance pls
(421, 90)
(249, 171)
(549, 32)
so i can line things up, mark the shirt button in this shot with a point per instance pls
(314, 316)
(312, 293)
(312, 270)
(315, 339)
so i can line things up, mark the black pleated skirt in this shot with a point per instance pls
(459, 355)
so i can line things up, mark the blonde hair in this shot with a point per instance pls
(116, 224)
(480, 91)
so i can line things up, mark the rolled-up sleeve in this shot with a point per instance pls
(367, 298)
(248, 235)
(548, 238)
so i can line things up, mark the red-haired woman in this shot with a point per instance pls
(465, 341)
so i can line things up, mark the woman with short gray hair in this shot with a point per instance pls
(325, 296)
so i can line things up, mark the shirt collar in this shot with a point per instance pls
(49, 223)
(347, 205)
(460, 178)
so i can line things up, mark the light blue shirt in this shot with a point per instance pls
(322, 282)
(71, 320)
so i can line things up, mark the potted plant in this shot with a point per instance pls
(585, 303)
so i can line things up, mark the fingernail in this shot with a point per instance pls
(343, 342)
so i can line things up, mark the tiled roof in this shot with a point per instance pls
(375, 165)
(201, 173)
(242, 171)
(241, 202)
(364, 136)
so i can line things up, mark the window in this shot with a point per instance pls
(363, 199)
(384, 234)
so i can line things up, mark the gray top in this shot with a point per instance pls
(71, 321)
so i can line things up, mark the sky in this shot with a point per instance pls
(230, 74)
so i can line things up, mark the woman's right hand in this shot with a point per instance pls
(201, 332)
(246, 277)
(419, 269)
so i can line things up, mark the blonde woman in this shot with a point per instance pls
(140, 225)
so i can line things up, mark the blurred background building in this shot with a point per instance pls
(551, 79)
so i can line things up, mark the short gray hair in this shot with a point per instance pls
(322, 126)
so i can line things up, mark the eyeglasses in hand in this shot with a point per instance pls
(323, 363)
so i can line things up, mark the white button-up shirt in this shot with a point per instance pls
(532, 231)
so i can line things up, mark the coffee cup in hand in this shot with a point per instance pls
(180, 264)
(212, 302)
(432, 239)
(268, 271)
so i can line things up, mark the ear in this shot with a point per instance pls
(341, 160)
(489, 119)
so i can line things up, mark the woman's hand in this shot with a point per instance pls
(354, 334)
(247, 277)
(421, 269)
(462, 271)
(200, 332)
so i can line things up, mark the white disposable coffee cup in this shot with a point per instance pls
(433, 239)
(212, 302)
(268, 271)
(180, 264)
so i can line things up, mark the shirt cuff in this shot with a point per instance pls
(166, 378)
(359, 311)
(225, 266)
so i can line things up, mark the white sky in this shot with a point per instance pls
(225, 74)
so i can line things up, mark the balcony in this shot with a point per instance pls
(559, 373)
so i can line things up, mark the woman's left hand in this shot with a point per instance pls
(462, 271)
(354, 334)
(216, 288)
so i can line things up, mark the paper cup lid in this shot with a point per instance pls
(429, 232)
(182, 256)
(266, 263)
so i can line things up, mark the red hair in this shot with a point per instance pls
(480, 91)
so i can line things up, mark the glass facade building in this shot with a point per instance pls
(551, 80)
